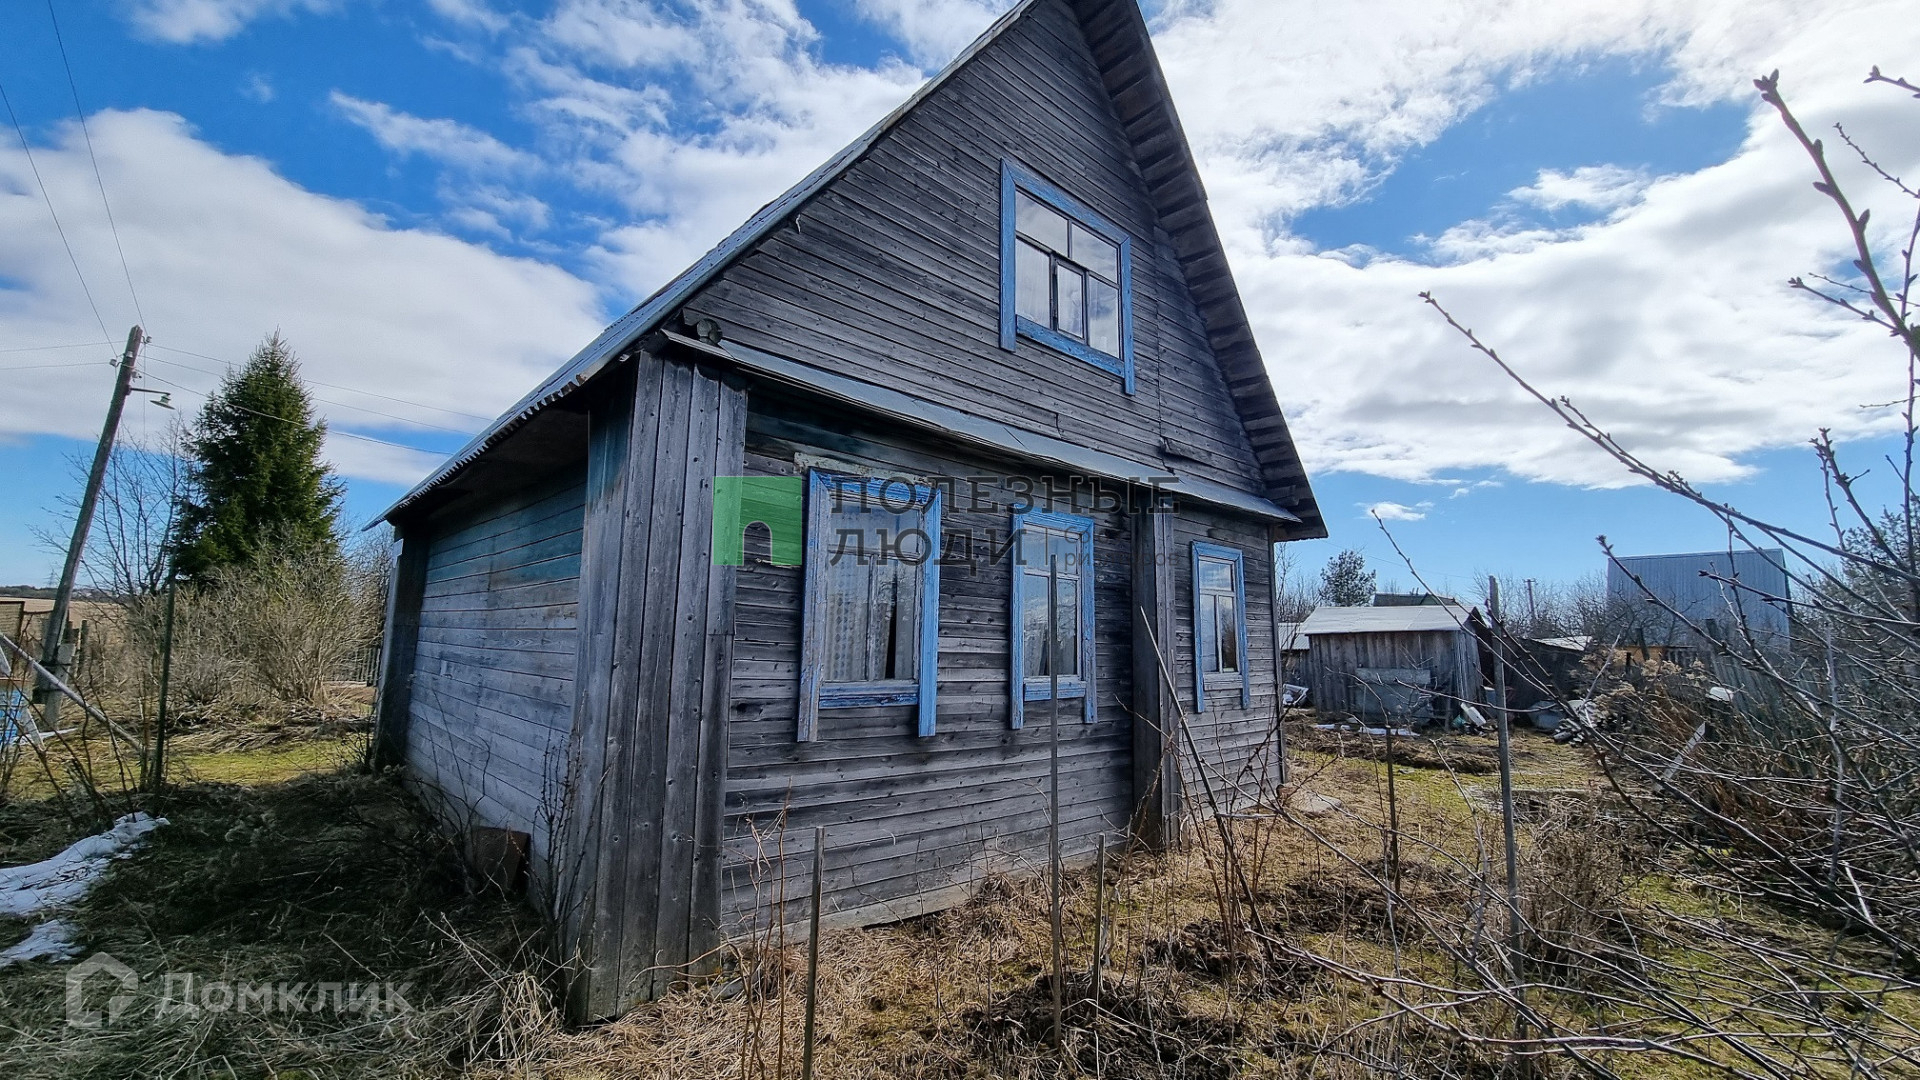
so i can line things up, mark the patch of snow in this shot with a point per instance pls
(60, 882)
(55, 939)
(65, 878)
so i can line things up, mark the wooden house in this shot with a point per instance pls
(1413, 662)
(787, 545)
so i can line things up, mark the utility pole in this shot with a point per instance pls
(54, 651)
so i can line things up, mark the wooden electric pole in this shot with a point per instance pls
(54, 653)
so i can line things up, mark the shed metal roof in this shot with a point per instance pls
(1385, 620)
(1117, 34)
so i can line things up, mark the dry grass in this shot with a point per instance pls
(316, 876)
(329, 879)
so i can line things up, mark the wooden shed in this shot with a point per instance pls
(1368, 660)
(961, 445)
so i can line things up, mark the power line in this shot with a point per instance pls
(335, 386)
(50, 348)
(88, 135)
(42, 367)
(31, 164)
(285, 420)
(338, 404)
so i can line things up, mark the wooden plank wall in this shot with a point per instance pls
(1156, 713)
(1239, 746)
(406, 580)
(1451, 655)
(646, 779)
(891, 273)
(912, 823)
(492, 688)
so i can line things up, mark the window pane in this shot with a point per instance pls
(872, 604)
(1035, 547)
(1096, 254)
(1065, 547)
(848, 585)
(1072, 314)
(1227, 622)
(1033, 624)
(1031, 296)
(1103, 317)
(1216, 575)
(1067, 619)
(1208, 634)
(1039, 222)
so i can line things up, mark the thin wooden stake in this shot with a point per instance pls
(1393, 813)
(1099, 915)
(1839, 761)
(157, 779)
(813, 950)
(1053, 792)
(1515, 955)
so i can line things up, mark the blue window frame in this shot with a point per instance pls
(1066, 275)
(1042, 543)
(1219, 624)
(871, 609)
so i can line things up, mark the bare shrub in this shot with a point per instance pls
(291, 619)
(1577, 875)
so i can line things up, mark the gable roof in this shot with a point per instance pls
(1386, 620)
(1116, 33)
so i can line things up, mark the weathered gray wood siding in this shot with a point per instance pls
(1332, 660)
(491, 696)
(892, 273)
(645, 782)
(1238, 745)
(913, 823)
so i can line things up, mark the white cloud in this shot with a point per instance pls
(932, 30)
(447, 141)
(186, 22)
(689, 118)
(1668, 320)
(1393, 511)
(1595, 187)
(257, 88)
(227, 250)
(377, 461)
(473, 13)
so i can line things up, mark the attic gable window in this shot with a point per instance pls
(1066, 279)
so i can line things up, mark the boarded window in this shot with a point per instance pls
(1052, 626)
(872, 589)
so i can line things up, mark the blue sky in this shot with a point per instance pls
(438, 200)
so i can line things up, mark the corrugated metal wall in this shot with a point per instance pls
(1708, 603)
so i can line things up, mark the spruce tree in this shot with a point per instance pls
(256, 478)
(1345, 581)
